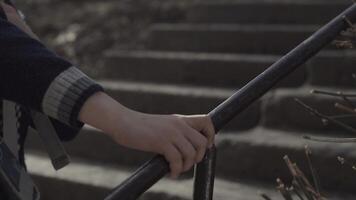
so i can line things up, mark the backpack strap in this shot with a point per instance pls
(10, 136)
(52, 143)
(45, 129)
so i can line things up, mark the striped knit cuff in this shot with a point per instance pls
(66, 95)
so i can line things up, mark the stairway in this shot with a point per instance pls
(192, 66)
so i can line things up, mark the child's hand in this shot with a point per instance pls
(182, 140)
(15, 18)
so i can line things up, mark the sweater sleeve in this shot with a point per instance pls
(35, 77)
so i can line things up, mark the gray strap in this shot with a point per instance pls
(10, 135)
(15, 181)
(47, 132)
(28, 190)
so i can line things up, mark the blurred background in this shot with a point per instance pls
(180, 56)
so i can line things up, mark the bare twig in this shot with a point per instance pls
(315, 176)
(345, 108)
(308, 186)
(283, 190)
(345, 97)
(301, 186)
(324, 117)
(327, 139)
(348, 101)
(348, 36)
(336, 94)
(299, 181)
(300, 189)
(348, 21)
(344, 44)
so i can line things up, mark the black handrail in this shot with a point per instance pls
(155, 169)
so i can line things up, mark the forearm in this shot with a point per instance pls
(104, 113)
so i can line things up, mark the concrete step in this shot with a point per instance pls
(332, 69)
(276, 1)
(93, 181)
(202, 69)
(225, 38)
(255, 155)
(169, 99)
(92, 144)
(82, 180)
(328, 68)
(281, 111)
(261, 12)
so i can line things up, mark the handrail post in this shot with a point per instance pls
(204, 176)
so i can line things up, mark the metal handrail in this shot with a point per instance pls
(155, 169)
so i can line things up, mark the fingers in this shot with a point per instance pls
(184, 152)
(187, 150)
(193, 135)
(173, 156)
(199, 142)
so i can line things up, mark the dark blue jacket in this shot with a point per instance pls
(36, 78)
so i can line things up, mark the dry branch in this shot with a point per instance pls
(325, 117)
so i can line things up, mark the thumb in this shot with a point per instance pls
(204, 125)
